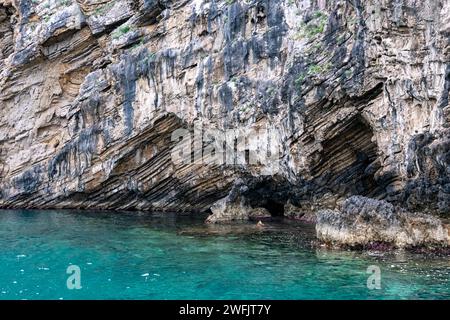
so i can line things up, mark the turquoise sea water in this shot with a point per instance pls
(137, 256)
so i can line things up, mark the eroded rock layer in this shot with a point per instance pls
(91, 92)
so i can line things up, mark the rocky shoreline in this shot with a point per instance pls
(364, 222)
(358, 223)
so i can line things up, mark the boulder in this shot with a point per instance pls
(365, 222)
(226, 210)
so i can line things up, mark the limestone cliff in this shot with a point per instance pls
(92, 90)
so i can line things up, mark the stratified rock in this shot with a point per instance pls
(365, 222)
(356, 94)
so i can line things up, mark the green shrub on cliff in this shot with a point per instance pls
(121, 31)
(313, 27)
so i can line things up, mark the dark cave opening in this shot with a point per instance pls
(346, 165)
(276, 209)
(270, 193)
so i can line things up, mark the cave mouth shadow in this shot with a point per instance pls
(270, 194)
(275, 208)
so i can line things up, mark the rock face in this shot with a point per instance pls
(367, 222)
(356, 93)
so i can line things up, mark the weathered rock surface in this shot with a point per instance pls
(235, 208)
(364, 222)
(298, 213)
(225, 211)
(91, 91)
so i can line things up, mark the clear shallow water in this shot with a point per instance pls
(132, 256)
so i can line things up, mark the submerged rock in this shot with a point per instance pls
(365, 222)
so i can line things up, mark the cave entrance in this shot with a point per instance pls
(268, 192)
(276, 209)
(348, 160)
